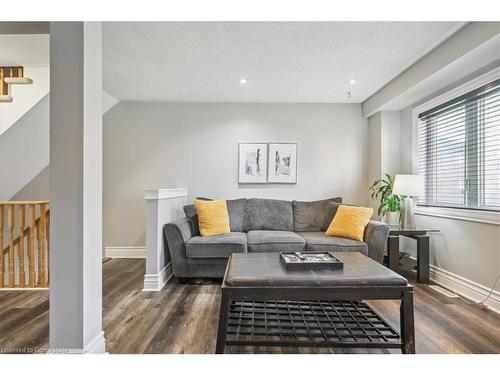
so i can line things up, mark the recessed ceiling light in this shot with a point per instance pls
(243, 81)
(352, 81)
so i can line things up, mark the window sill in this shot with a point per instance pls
(486, 217)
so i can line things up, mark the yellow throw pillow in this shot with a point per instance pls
(350, 222)
(212, 217)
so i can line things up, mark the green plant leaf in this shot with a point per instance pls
(382, 189)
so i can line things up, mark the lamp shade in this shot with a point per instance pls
(410, 185)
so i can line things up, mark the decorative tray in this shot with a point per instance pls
(310, 260)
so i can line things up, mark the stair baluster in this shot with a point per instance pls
(22, 229)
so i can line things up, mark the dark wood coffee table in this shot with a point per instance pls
(263, 304)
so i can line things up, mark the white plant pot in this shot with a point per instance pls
(392, 218)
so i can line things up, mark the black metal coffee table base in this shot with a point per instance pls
(308, 324)
(246, 319)
(263, 304)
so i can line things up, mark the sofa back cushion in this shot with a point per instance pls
(192, 218)
(268, 214)
(235, 209)
(313, 216)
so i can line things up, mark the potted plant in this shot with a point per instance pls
(390, 205)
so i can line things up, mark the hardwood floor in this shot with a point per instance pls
(182, 318)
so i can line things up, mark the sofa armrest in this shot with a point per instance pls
(376, 234)
(175, 235)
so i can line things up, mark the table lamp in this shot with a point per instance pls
(408, 186)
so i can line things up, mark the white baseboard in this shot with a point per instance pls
(125, 251)
(96, 346)
(466, 288)
(154, 282)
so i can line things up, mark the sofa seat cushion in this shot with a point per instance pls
(319, 241)
(274, 241)
(219, 246)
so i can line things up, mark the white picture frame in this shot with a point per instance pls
(282, 163)
(252, 163)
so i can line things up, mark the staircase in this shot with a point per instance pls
(24, 244)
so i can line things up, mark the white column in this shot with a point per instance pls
(162, 207)
(383, 132)
(76, 187)
(384, 144)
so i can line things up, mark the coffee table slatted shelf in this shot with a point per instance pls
(308, 323)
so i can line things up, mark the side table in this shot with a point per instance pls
(421, 235)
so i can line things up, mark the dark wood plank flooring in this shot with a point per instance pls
(182, 318)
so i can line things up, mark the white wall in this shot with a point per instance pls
(37, 189)
(406, 141)
(390, 142)
(24, 149)
(195, 146)
(108, 101)
(24, 122)
(32, 52)
(24, 96)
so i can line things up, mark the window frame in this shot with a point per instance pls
(462, 213)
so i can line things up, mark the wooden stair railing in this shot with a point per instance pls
(37, 227)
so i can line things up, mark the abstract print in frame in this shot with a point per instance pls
(282, 163)
(252, 163)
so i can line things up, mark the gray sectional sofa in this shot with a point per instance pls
(263, 225)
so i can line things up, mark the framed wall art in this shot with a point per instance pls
(252, 163)
(282, 165)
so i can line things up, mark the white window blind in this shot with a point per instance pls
(459, 151)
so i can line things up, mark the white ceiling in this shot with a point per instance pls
(26, 50)
(283, 61)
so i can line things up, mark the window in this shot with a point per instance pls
(459, 151)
